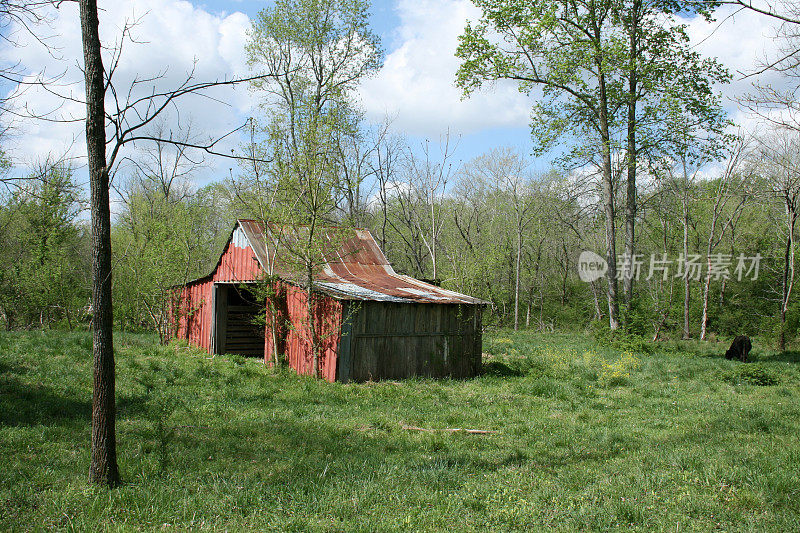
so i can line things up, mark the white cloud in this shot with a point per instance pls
(393, 190)
(170, 36)
(742, 41)
(416, 83)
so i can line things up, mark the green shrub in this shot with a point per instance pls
(237, 359)
(619, 339)
(753, 374)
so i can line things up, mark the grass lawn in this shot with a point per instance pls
(587, 438)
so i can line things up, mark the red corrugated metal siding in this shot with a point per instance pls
(355, 270)
(236, 264)
(195, 312)
(199, 331)
(297, 345)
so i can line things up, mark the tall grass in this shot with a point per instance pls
(585, 438)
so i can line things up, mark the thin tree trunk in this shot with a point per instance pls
(384, 208)
(707, 283)
(608, 204)
(791, 265)
(724, 286)
(273, 325)
(657, 332)
(516, 281)
(630, 197)
(312, 323)
(788, 276)
(565, 276)
(686, 279)
(103, 467)
(704, 319)
(598, 312)
(608, 190)
(784, 289)
(433, 236)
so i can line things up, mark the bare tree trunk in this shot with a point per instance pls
(384, 209)
(657, 332)
(784, 290)
(788, 275)
(312, 322)
(272, 316)
(608, 196)
(103, 468)
(611, 247)
(565, 276)
(630, 196)
(724, 286)
(598, 312)
(704, 319)
(516, 281)
(707, 283)
(433, 235)
(686, 280)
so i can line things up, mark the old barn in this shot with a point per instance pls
(372, 323)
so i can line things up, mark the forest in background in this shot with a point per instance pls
(652, 171)
(473, 228)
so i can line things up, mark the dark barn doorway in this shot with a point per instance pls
(238, 326)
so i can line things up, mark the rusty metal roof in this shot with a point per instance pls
(352, 267)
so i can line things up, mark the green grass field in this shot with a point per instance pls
(586, 438)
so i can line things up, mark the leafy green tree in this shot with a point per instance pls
(567, 49)
(779, 166)
(42, 279)
(661, 72)
(505, 173)
(309, 56)
(161, 240)
(598, 83)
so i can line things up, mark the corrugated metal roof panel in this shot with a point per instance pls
(355, 269)
(351, 291)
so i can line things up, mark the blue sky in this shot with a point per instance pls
(387, 18)
(414, 86)
(384, 20)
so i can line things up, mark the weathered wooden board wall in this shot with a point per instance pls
(241, 321)
(399, 340)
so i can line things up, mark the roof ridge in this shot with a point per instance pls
(324, 226)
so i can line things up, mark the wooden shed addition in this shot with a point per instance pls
(372, 322)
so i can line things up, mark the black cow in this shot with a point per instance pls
(739, 348)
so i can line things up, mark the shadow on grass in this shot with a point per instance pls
(500, 369)
(780, 357)
(22, 404)
(760, 352)
(132, 406)
(290, 456)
